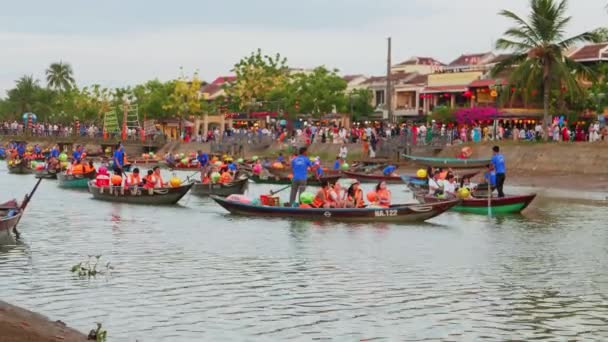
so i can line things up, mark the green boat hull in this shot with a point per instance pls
(498, 209)
(81, 183)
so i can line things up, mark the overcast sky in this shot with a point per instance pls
(122, 42)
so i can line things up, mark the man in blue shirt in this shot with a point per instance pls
(21, 150)
(203, 159)
(280, 158)
(337, 164)
(55, 151)
(299, 168)
(498, 162)
(119, 159)
(77, 154)
(388, 171)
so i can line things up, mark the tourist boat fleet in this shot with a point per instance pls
(429, 206)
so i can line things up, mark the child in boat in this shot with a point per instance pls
(322, 198)
(149, 181)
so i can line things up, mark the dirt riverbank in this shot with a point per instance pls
(20, 325)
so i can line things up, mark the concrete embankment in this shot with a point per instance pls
(20, 325)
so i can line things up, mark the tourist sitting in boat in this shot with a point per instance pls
(266, 163)
(54, 152)
(77, 168)
(226, 177)
(257, 168)
(158, 178)
(149, 181)
(134, 178)
(103, 178)
(389, 170)
(53, 164)
(449, 185)
(443, 174)
(280, 158)
(435, 184)
(322, 198)
(384, 194)
(88, 167)
(337, 195)
(354, 196)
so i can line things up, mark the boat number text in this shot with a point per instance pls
(387, 212)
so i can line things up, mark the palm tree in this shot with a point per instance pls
(24, 93)
(60, 76)
(539, 47)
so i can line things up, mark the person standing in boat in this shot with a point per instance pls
(299, 169)
(498, 162)
(118, 159)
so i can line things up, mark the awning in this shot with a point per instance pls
(263, 114)
(486, 83)
(445, 89)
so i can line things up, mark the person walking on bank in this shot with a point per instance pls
(498, 161)
(299, 168)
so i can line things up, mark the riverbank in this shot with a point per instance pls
(20, 325)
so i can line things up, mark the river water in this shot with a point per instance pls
(193, 273)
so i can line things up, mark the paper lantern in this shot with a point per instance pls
(345, 166)
(307, 198)
(175, 181)
(215, 177)
(421, 173)
(371, 196)
(116, 180)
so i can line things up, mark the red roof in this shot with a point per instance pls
(472, 59)
(349, 78)
(486, 83)
(224, 79)
(593, 52)
(446, 89)
(211, 88)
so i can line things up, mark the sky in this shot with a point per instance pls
(123, 42)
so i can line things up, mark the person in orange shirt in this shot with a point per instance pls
(159, 183)
(134, 178)
(384, 194)
(226, 177)
(78, 168)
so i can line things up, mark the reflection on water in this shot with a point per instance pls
(194, 273)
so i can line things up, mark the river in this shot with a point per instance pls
(193, 273)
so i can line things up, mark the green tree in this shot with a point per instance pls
(258, 77)
(539, 46)
(24, 93)
(153, 97)
(360, 103)
(319, 92)
(60, 76)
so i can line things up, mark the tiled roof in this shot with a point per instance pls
(224, 79)
(472, 59)
(394, 77)
(499, 58)
(591, 52)
(211, 88)
(418, 79)
(350, 78)
(446, 89)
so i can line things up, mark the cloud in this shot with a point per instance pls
(353, 42)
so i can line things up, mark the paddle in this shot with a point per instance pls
(192, 175)
(490, 195)
(274, 192)
(24, 204)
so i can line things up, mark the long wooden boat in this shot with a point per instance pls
(46, 174)
(395, 213)
(236, 187)
(75, 181)
(449, 162)
(312, 181)
(22, 168)
(162, 196)
(500, 205)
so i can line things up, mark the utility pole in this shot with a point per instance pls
(388, 98)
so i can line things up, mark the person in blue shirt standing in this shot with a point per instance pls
(337, 164)
(498, 162)
(21, 150)
(299, 168)
(55, 151)
(118, 159)
(203, 159)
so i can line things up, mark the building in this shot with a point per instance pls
(354, 82)
(421, 65)
(590, 54)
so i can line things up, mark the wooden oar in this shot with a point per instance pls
(489, 195)
(274, 192)
(24, 204)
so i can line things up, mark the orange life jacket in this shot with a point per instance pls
(358, 200)
(319, 202)
(150, 182)
(88, 169)
(206, 180)
(225, 177)
(77, 169)
(384, 197)
(134, 179)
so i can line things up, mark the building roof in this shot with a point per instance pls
(418, 79)
(223, 79)
(592, 52)
(446, 89)
(487, 82)
(499, 58)
(470, 59)
(421, 61)
(350, 78)
(399, 76)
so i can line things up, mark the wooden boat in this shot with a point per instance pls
(395, 213)
(236, 187)
(500, 205)
(46, 174)
(21, 168)
(75, 181)
(181, 167)
(450, 162)
(312, 181)
(11, 213)
(120, 194)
